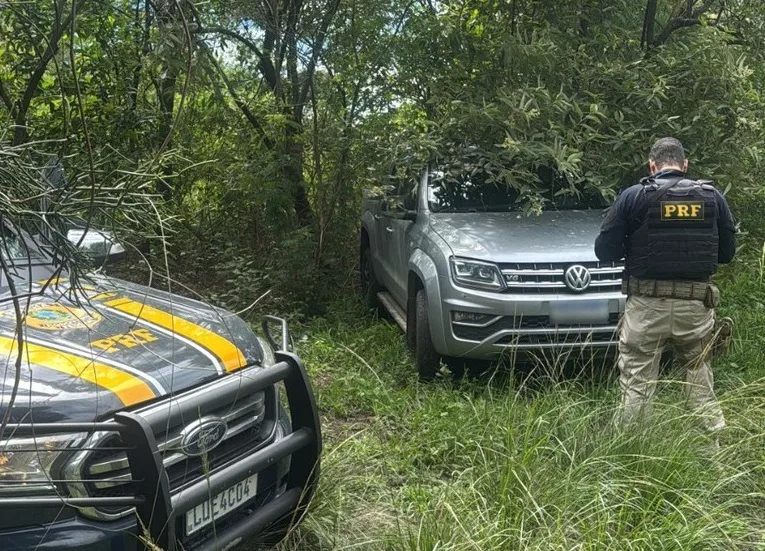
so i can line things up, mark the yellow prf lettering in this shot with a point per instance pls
(104, 344)
(145, 335)
(695, 210)
(129, 340)
(669, 210)
(682, 210)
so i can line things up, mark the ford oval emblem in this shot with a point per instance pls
(202, 436)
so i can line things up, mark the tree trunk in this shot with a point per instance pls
(20, 130)
(167, 21)
(292, 171)
(649, 24)
(166, 93)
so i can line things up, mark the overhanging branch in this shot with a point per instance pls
(249, 115)
(689, 18)
(317, 47)
(266, 65)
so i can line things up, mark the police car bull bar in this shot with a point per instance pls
(158, 508)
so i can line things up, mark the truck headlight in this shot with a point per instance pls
(478, 274)
(27, 465)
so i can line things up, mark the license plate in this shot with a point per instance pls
(579, 312)
(220, 504)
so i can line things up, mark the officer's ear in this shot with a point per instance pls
(685, 165)
(652, 167)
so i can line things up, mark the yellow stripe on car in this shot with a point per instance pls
(128, 388)
(226, 351)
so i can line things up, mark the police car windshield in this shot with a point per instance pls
(15, 250)
(475, 192)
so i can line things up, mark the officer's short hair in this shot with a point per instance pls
(667, 151)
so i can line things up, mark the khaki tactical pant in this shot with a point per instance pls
(648, 324)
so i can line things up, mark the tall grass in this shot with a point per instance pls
(493, 464)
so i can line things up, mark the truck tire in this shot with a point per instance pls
(369, 284)
(426, 359)
(458, 366)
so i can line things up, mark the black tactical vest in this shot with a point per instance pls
(677, 234)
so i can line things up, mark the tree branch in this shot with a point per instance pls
(7, 101)
(232, 34)
(649, 22)
(317, 46)
(672, 26)
(681, 22)
(705, 7)
(265, 65)
(251, 118)
(51, 49)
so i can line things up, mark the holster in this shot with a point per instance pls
(722, 336)
(713, 296)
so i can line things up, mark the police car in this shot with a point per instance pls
(131, 415)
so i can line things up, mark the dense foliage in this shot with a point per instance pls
(244, 131)
(278, 114)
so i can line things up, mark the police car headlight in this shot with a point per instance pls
(27, 465)
(477, 274)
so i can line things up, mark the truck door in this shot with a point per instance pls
(399, 220)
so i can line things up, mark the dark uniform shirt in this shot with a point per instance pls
(622, 221)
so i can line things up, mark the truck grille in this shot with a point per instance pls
(477, 333)
(560, 339)
(542, 278)
(104, 471)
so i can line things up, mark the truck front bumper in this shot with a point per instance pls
(524, 324)
(162, 511)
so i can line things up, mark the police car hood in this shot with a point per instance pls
(112, 347)
(513, 237)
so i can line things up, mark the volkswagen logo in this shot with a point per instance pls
(577, 278)
(202, 436)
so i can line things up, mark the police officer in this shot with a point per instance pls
(673, 232)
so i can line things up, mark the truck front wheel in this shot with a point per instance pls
(427, 359)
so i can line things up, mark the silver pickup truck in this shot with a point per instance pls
(467, 275)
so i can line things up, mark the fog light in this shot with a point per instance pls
(471, 317)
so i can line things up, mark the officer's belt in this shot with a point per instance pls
(688, 290)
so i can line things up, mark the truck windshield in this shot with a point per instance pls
(467, 192)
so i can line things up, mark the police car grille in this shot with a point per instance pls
(549, 278)
(249, 425)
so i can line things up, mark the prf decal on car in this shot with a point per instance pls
(682, 210)
(231, 358)
(57, 317)
(136, 337)
(128, 388)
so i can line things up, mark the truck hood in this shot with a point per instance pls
(112, 346)
(512, 237)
